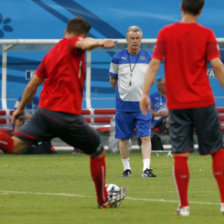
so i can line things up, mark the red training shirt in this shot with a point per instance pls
(63, 69)
(187, 47)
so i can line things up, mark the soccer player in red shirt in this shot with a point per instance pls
(187, 47)
(62, 72)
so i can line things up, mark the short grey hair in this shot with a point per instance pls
(133, 29)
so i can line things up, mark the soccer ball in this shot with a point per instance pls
(112, 187)
(113, 194)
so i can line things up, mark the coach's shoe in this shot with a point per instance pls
(126, 173)
(185, 211)
(114, 198)
(148, 173)
(222, 208)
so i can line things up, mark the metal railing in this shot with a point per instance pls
(16, 45)
(39, 45)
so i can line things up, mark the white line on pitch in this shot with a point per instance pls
(42, 193)
(84, 196)
(170, 201)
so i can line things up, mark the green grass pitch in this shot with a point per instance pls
(56, 189)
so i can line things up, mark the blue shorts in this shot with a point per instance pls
(125, 122)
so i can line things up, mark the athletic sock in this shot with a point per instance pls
(126, 164)
(6, 143)
(218, 171)
(182, 175)
(98, 172)
(146, 164)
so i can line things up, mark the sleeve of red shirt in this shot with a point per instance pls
(160, 46)
(212, 47)
(41, 72)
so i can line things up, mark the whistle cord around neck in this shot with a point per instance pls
(132, 69)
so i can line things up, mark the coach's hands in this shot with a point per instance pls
(145, 104)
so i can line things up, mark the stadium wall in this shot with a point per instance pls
(47, 19)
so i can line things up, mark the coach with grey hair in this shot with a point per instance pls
(127, 73)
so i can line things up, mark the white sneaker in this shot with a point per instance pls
(222, 208)
(185, 211)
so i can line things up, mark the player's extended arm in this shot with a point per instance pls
(218, 68)
(148, 83)
(113, 81)
(28, 94)
(163, 113)
(90, 43)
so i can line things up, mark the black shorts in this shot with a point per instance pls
(204, 120)
(72, 129)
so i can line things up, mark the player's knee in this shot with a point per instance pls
(98, 151)
(123, 142)
(145, 139)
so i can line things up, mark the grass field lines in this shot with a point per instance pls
(161, 200)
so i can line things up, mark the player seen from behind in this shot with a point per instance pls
(187, 48)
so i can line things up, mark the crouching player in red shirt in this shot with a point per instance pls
(187, 47)
(62, 72)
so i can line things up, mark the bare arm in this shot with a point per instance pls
(148, 83)
(218, 68)
(163, 113)
(28, 95)
(113, 82)
(90, 43)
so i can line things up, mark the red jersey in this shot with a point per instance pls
(63, 69)
(187, 47)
